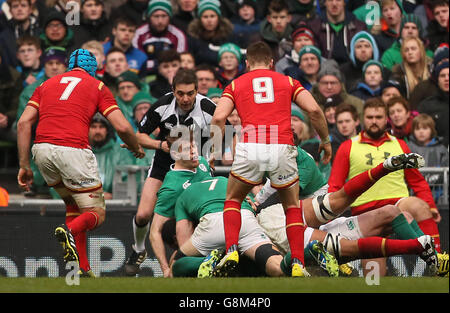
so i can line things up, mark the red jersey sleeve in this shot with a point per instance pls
(35, 99)
(415, 180)
(297, 87)
(106, 103)
(340, 167)
(229, 91)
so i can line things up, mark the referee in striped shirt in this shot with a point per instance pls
(184, 106)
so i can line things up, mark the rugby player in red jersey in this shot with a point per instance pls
(63, 106)
(263, 98)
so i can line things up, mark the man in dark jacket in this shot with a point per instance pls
(334, 29)
(437, 29)
(94, 24)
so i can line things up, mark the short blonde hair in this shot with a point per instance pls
(93, 44)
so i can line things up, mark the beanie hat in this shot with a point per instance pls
(55, 53)
(411, 18)
(332, 101)
(142, 97)
(310, 49)
(393, 83)
(129, 76)
(214, 93)
(230, 47)
(365, 36)
(84, 59)
(372, 62)
(302, 31)
(297, 113)
(440, 61)
(55, 16)
(204, 5)
(164, 5)
(330, 68)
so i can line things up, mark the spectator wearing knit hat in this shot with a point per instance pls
(372, 79)
(411, 27)
(246, 22)
(208, 32)
(306, 72)
(437, 105)
(56, 32)
(94, 24)
(301, 36)
(128, 84)
(158, 35)
(230, 63)
(330, 82)
(363, 48)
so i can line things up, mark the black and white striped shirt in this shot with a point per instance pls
(164, 114)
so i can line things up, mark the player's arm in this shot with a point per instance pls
(24, 125)
(223, 110)
(308, 104)
(157, 242)
(149, 143)
(184, 229)
(125, 132)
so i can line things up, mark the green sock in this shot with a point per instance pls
(285, 265)
(416, 228)
(187, 266)
(402, 228)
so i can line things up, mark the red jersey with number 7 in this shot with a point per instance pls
(66, 105)
(263, 100)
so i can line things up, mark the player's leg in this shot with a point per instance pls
(141, 224)
(423, 218)
(322, 209)
(237, 190)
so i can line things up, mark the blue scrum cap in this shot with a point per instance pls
(84, 59)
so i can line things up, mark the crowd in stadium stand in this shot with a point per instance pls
(343, 52)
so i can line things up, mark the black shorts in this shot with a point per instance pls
(160, 165)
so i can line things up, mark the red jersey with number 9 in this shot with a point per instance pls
(66, 105)
(263, 100)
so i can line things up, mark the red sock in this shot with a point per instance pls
(80, 238)
(377, 247)
(84, 222)
(231, 222)
(429, 227)
(360, 183)
(295, 230)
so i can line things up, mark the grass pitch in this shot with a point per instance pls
(225, 285)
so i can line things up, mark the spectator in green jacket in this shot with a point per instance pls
(411, 27)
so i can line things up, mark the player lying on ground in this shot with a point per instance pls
(322, 209)
(201, 203)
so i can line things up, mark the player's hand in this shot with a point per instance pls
(436, 215)
(139, 154)
(167, 272)
(326, 148)
(211, 161)
(25, 178)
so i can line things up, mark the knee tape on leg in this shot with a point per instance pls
(322, 208)
(263, 253)
(94, 199)
(332, 244)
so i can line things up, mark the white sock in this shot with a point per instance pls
(140, 234)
